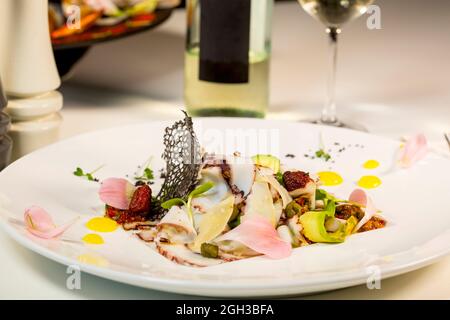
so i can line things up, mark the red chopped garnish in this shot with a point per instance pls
(141, 200)
(295, 180)
(114, 213)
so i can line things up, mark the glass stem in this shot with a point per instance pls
(329, 110)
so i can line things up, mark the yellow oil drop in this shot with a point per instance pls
(93, 259)
(371, 164)
(330, 178)
(92, 238)
(101, 224)
(369, 182)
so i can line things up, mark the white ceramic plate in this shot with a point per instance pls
(413, 201)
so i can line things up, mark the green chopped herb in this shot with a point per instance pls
(292, 209)
(209, 250)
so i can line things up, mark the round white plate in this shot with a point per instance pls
(412, 200)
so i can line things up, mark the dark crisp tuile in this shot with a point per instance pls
(294, 180)
(183, 161)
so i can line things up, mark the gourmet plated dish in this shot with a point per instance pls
(219, 208)
(201, 212)
(212, 209)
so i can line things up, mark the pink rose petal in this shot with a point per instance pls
(116, 192)
(360, 197)
(40, 223)
(37, 218)
(258, 234)
(414, 150)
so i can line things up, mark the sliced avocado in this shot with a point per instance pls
(313, 223)
(350, 225)
(268, 161)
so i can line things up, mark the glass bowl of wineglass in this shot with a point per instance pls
(333, 14)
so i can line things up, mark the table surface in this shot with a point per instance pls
(400, 72)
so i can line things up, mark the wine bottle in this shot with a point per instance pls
(227, 57)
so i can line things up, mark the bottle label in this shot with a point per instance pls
(224, 40)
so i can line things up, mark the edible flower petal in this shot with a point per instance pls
(258, 234)
(360, 197)
(39, 223)
(414, 150)
(116, 192)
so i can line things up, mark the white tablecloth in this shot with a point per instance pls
(395, 81)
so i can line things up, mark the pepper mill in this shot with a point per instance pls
(5, 140)
(29, 74)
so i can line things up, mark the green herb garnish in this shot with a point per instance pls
(173, 202)
(322, 154)
(146, 175)
(88, 175)
(201, 189)
(196, 193)
(326, 197)
(279, 177)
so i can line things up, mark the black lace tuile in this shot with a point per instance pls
(183, 161)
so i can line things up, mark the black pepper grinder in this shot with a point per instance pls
(5, 140)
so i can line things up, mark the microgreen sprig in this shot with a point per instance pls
(146, 175)
(279, 177)
(87, 175)
(321, 153)
(201, 189)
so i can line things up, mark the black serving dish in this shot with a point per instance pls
(69, 50)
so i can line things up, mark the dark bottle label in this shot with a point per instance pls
(224, 40)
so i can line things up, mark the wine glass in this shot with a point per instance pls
(333, 14)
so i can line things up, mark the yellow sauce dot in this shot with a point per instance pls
(101, 224)
(95, 260)
(92, 238)
(371, 164)
(369, 182)
(330, 178)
